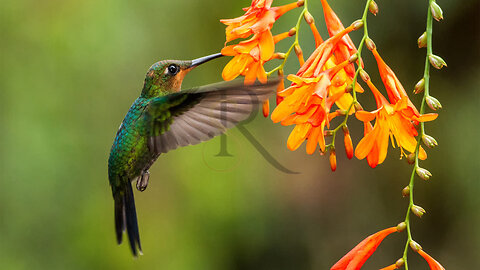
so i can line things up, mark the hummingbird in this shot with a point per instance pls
(164, 118)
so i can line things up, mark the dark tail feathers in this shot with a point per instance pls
(126, 218)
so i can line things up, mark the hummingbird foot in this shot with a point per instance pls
(142, 181)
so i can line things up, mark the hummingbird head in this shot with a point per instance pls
(165, 77)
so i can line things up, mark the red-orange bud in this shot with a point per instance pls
(333, 159)
(266, 108)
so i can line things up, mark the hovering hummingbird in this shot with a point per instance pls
(163, 118)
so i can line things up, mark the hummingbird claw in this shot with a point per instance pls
(142, 181)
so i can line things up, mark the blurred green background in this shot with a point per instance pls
(69, 71)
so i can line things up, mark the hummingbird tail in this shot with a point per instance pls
(126, 218)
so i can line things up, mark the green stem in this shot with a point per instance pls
(426, 77)
(289, 51)
(357, 72)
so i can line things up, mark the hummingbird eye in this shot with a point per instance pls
(173, 69)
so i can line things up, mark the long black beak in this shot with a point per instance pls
(204, 59)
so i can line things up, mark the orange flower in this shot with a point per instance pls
(315, 88)
(394, 88)
(434, 265)
(345, 47)
(392, 121)
(250, 55)
(354, 259)
(390, 267)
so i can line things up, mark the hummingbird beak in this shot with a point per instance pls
(204, 59)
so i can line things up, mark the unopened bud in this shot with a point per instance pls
(298, 50)
(422, 40)
(406, 191)
(433, 103)
(364, 75)
(411, 158)
(418, 211)
(300, 3)
(341, 112)
(358, 106)
(370, 44)
(373, 7)
(423, 173)
(353, 58)
(357, 24)
(349, 88)
(436, 61)
(333, 159)
(280, 73)
(308, 17)
(420, 86)
(401, 226)
(292, 31)
(400, 262)
(415, 246)
(279, 55)
(329, 133)
(347, 140)
(429, 141)
(436, 10)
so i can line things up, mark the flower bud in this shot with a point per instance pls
(357, 24)
(436, 10)
(300, 3)
(299, 53)
(292, 31)
(418, 211)
(436, 61)
(328, 133)
(369, 43)
(373, 7)
(353, 58)
(422, 40)
(420, 86)
(308, 17)
(349, 88)
(333, 159)
(341, 112)
(400, 262)
(429, 141)
(364, 75)
(415, 246)
(411, 158)
(406, 191)
(358, 106)
(423, 173)
(266, 108)
(433, 103)
(401, 226)
(348, 142)
(279, 55)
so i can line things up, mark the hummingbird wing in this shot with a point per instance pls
(192, 116)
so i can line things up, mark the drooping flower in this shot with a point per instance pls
(250, 55)
(434, 265)
(394, 121)
(354, 259)
(392, 84)
(345, 47)
(319, 84)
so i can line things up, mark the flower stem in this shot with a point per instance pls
(357, 72)
(289, 51)
(426, 76)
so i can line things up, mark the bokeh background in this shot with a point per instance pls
(69, 71)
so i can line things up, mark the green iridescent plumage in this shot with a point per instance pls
(164, 118)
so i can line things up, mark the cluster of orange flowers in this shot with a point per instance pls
(328, 78)
(323, 80)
